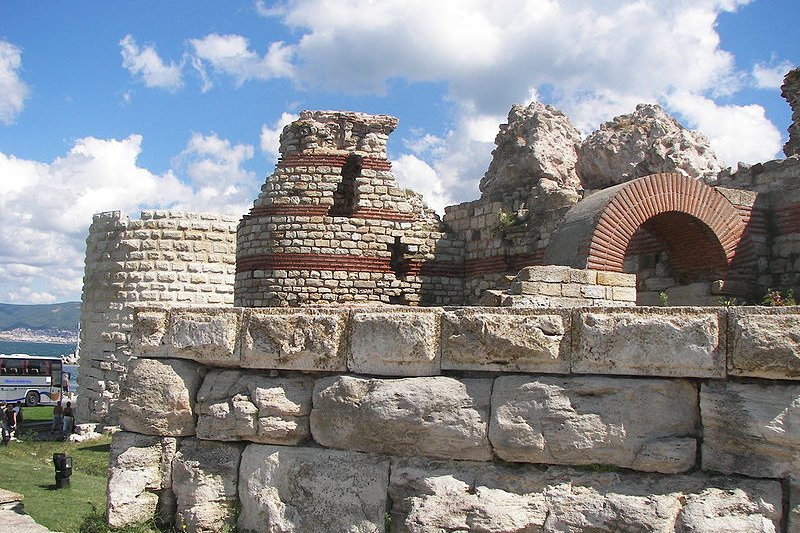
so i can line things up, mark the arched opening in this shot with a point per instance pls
(344, 198)
(677, 255)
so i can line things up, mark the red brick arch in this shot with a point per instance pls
(644, 199)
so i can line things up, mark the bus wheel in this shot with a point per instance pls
(32, 398)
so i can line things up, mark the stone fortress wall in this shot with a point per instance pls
(163, 258)
(461, 419)
(285, 413)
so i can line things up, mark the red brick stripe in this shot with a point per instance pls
(330, 160)
(316, 210)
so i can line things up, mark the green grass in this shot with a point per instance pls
(37, 414)
(26, 467)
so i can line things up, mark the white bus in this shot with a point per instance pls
(31, 379)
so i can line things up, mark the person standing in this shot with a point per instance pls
(11, 420)
(68, 419)
(18, 420)
(5, 433)
(58, 413)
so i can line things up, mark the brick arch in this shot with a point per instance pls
(596, 232)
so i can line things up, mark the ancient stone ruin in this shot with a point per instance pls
(344, 360)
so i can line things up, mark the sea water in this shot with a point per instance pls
(44, 348)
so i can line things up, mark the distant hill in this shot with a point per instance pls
(44, 317)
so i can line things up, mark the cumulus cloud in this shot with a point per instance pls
(146, 64)
(737, 133)
(769, 76)
(46, 207)
(231, 55)
(13, 91)
(271, 135)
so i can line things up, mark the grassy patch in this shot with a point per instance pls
(27, 468)
(36, 414)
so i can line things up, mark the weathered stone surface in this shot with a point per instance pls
(790, 90)
(764, 342)
(675, 342)
(207, 335)
(647, 141)
(149, 330)
(139, 478)
(205, 477)
(307, 340)
(520, 340)
(587, 420)
(236, 405)
(440, 496)
(751, 428)
(395, 343)
(538, 142)
(311, 490)
(158, 397)
(429, 416)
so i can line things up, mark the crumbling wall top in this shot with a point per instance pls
(337, 132)
(790, 90)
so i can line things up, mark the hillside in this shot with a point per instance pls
(44, 317)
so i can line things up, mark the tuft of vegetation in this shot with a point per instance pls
(663, 298)
(775, 298)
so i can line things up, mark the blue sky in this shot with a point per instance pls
(132, 105)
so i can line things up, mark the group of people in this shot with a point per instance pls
(10, 421)
(63, 418)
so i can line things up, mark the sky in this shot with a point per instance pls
(132, 105)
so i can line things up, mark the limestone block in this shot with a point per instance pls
(311, 490)
(158, 397)
(674, 342)
(526, 340)
(310, 339)
(139, 477)
(149, 330)
(429, 416)
(548, 274)
(205, 477)
(588, 420)
(206, 335)
(395, 343)
(234, 405)
(751, 428)
(764, 342)
(464, 496)
(616, 279)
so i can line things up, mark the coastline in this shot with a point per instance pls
(46, 336)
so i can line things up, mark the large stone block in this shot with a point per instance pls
(751, 428)
(149, 332)
(139, 478)
(158, 397)
(205, 477)
(429, 416)
(764, 342)
(674, 342)
(463, 496)
(311, 490)
(395, 343)
(206, 335)
(309, 340)
(644, 424)
(529, 340)
(235, 405)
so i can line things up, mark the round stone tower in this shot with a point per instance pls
(332, 225)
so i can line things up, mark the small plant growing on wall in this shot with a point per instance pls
(775, 298)
(663, 298)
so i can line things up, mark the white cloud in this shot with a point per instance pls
(146, 64)
(13, 91)
(271, 135)
(768, 76)
(416, 174)
(737, 133)
(214, 169)
(46, 208)
(231, 55)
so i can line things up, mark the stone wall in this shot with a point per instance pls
(165, 258)
(460, 419)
